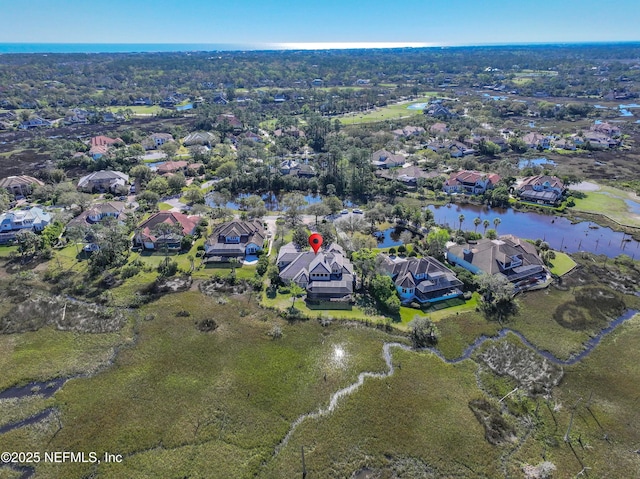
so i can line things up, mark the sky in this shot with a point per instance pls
(260, 22)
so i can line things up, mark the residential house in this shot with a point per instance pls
(599, 140)
(148, 236)
(230, 119)
(36, 122)
(470, 182)
(99, 145)
(203, 138)
(98, 212)
(514, 258)
(386, 159)
(437, 110)
(476, 140)
(235, 239)
(537, 140)
(172, 167)
(280, 98)
(564, 144)
(292, 131)
(542, 189)
(317, 82)
(20, 185)
(425, 280)
(251, 136)
(77, 116)
(12, 222)
(103, 181)
(606, 128)
(439, 129)
(408, 131)
(156, 140)
(325, 276)
(408, 175)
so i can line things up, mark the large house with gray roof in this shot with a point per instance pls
(425, 280)
(12, 222)
(103, 181)
(510, 256)
(386, 159)
(542, 189)
(325, 276)
(21, 185)
(235, 239)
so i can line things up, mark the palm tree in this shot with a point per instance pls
(461, 220)
(234, 263)
(485, 225)
(476, 223)
(496, 222)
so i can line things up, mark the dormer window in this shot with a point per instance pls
(232, 239)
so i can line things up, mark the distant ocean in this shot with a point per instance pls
(44, 48)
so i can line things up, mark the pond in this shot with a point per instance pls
(527, 163)
(188, 106)
(558, 231)
(389, 237)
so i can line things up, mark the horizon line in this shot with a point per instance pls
(286, 46)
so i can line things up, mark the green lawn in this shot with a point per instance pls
(7, 250)
(610, 202)
(164, 206)
(562, 263)
(137, 109)
(391, 112)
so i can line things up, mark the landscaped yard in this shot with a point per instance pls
(562, 263)
(610, 202)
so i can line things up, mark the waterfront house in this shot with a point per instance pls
(510, 256)
(470, 182)
(235, 239)
(543, 189)
(425, 280)
(325, 276)
(149, 236)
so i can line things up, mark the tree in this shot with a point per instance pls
(318, 209)
(365, 262)
(166, 232)
(300, 237)
(142, 174)
(293, 203)
(76, 234)
(170, 149)
(500, 196)
(485, 225)
(384, 291)
(194, 195)
(496, 222)
(461, 220)
(497, 297)
(158, 185)
(5, 200)
(295, 291)
(423, 332)
(333, 202)
(351, 223)
(176, 182)
(491, 234)
(28, 242)
(476, 223)
(436, 242)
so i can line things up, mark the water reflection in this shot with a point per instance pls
(558, 231)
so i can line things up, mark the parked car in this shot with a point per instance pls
(344, 212)
(358, 211)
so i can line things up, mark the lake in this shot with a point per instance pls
(558, 231)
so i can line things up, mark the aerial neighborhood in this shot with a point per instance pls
(430, 239)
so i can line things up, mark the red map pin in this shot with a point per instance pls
(315, 241)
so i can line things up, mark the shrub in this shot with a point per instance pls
(392, 250)
(129, 271)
